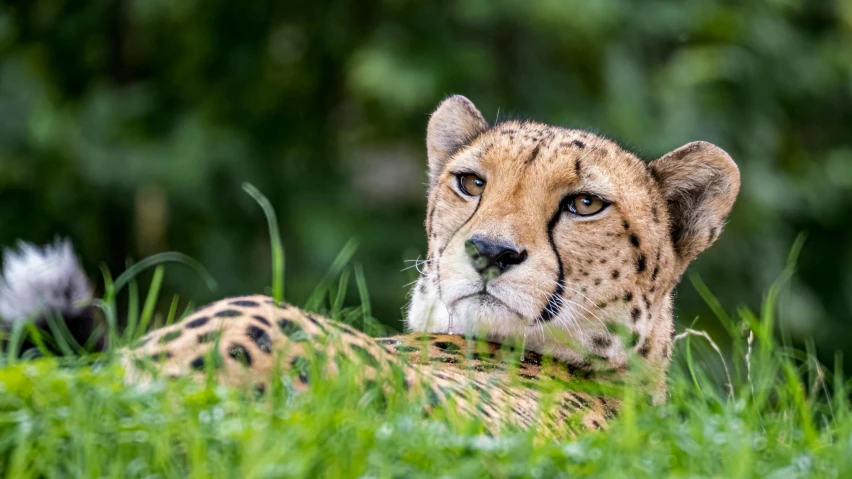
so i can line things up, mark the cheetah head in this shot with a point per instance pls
(553, 236)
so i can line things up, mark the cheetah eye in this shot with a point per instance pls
(586, 205)
(471, 184)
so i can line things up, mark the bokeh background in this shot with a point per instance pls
(130, 125)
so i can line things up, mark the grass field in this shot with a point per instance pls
(761, 409)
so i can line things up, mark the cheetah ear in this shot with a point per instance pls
(453, 125)
(700, 183)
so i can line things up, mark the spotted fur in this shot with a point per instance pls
(242, 341)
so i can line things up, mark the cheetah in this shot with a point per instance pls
(557, 249)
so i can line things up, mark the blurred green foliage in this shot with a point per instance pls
(130, 125)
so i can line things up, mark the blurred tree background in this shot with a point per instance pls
(129, 126)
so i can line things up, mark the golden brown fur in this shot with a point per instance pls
(512, 263)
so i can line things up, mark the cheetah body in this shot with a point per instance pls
(553, 239)
(244, 340)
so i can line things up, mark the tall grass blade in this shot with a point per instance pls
(107, 305)
(168, 257)
(340, 296)
(16, 340)
(150, 302)
(337, 266)
(62, 335)
(274, 239)
(132, 309)
(172, 310)
(38, 338)
(366, 308)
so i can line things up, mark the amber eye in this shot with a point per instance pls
(586, 205)
(471, 184)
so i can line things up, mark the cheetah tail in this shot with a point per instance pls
(38, 281)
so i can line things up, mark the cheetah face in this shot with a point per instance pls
(551, 235)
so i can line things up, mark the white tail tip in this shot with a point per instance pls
(40, 279)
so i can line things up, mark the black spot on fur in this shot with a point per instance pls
(634, 240)
(262, 320)
(197, 363)
(655, 273)
(316, 322)
(200, 362)
(533, 155)
(244, 303)
(228, 313)
(625, 224)
(240, 353)
(647, 301)
(640, 263)
(209, 337)
(346, 328)
(197, 322)
(482, 410)
(449, 348)
(628, 297)
(598, 281)
(645, 349)
(365, 355)
(170, 336)
(634, 339)
(602, 341)
(160, 356)
(578, 144)
(259, 336)
(634, 314)
(481, 356)
(300, 365)
(444, 360)
(531, 358)
(292, 329)
(596, 424)
(615, 274)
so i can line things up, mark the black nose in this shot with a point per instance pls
(490, 257)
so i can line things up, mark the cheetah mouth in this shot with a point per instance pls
(485, 299)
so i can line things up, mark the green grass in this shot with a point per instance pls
(771, 411)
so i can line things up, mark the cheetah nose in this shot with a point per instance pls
(491, 258)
